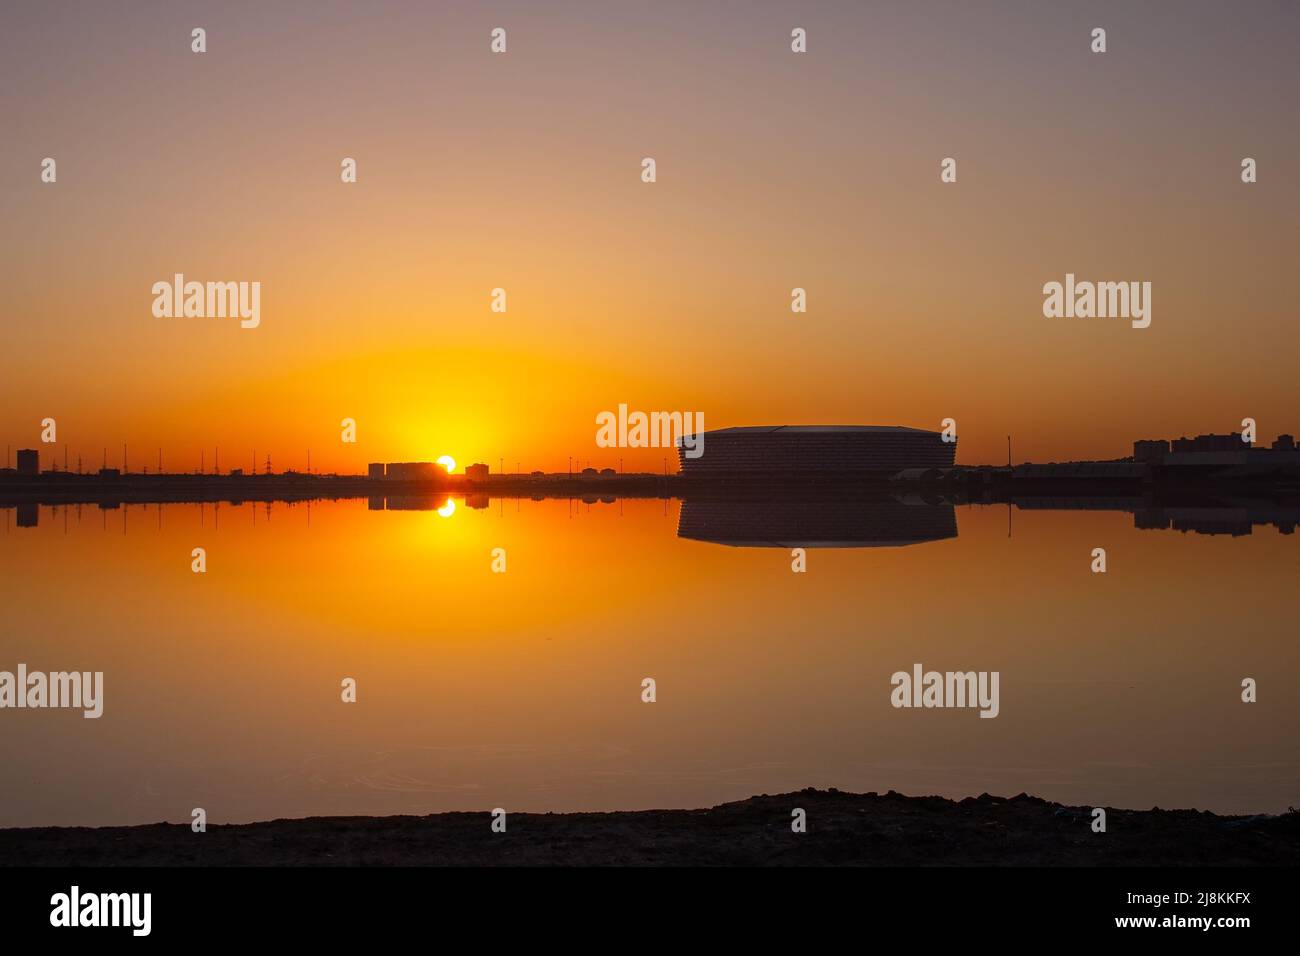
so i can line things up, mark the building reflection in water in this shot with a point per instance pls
(792, 522)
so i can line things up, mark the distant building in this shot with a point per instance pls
(29, 461)
(412, 471)
(375, 469)
(1228, 457)
(1203, 443)
(236, 473)
(589, 473)
(110, 473)
(1150, 450)
(770, 451)
(607, 472)
(477, 472)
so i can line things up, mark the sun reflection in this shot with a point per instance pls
(448, 509)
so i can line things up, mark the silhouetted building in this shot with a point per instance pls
(412, 471)
(607, 473)
(1284, 443)
(1231, 442)
(29, 462)
(1150, 450)
(588, 473)
(375, 469)
(477, 472)
(773, 451)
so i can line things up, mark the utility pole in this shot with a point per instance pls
(1008, 451)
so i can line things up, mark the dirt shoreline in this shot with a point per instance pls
(842, 829)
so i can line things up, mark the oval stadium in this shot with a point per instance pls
(773, 451)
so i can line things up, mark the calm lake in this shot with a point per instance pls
(523, 689)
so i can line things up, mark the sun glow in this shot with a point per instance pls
(447, 462)
(448, 509)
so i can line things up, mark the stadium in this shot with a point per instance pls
(773, 451)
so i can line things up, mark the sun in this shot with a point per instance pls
(448, 509)
(447, 462)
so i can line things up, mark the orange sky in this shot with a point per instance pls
(522, 171)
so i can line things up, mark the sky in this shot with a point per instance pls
(522, 171)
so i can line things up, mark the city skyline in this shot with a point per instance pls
(262, 462)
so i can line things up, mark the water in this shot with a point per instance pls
(523, 690)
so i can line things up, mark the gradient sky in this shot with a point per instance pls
(522, 171)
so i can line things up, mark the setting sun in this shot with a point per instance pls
(447, 462)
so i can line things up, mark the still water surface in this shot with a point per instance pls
(523, 690)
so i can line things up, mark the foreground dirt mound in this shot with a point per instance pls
(842, 829)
